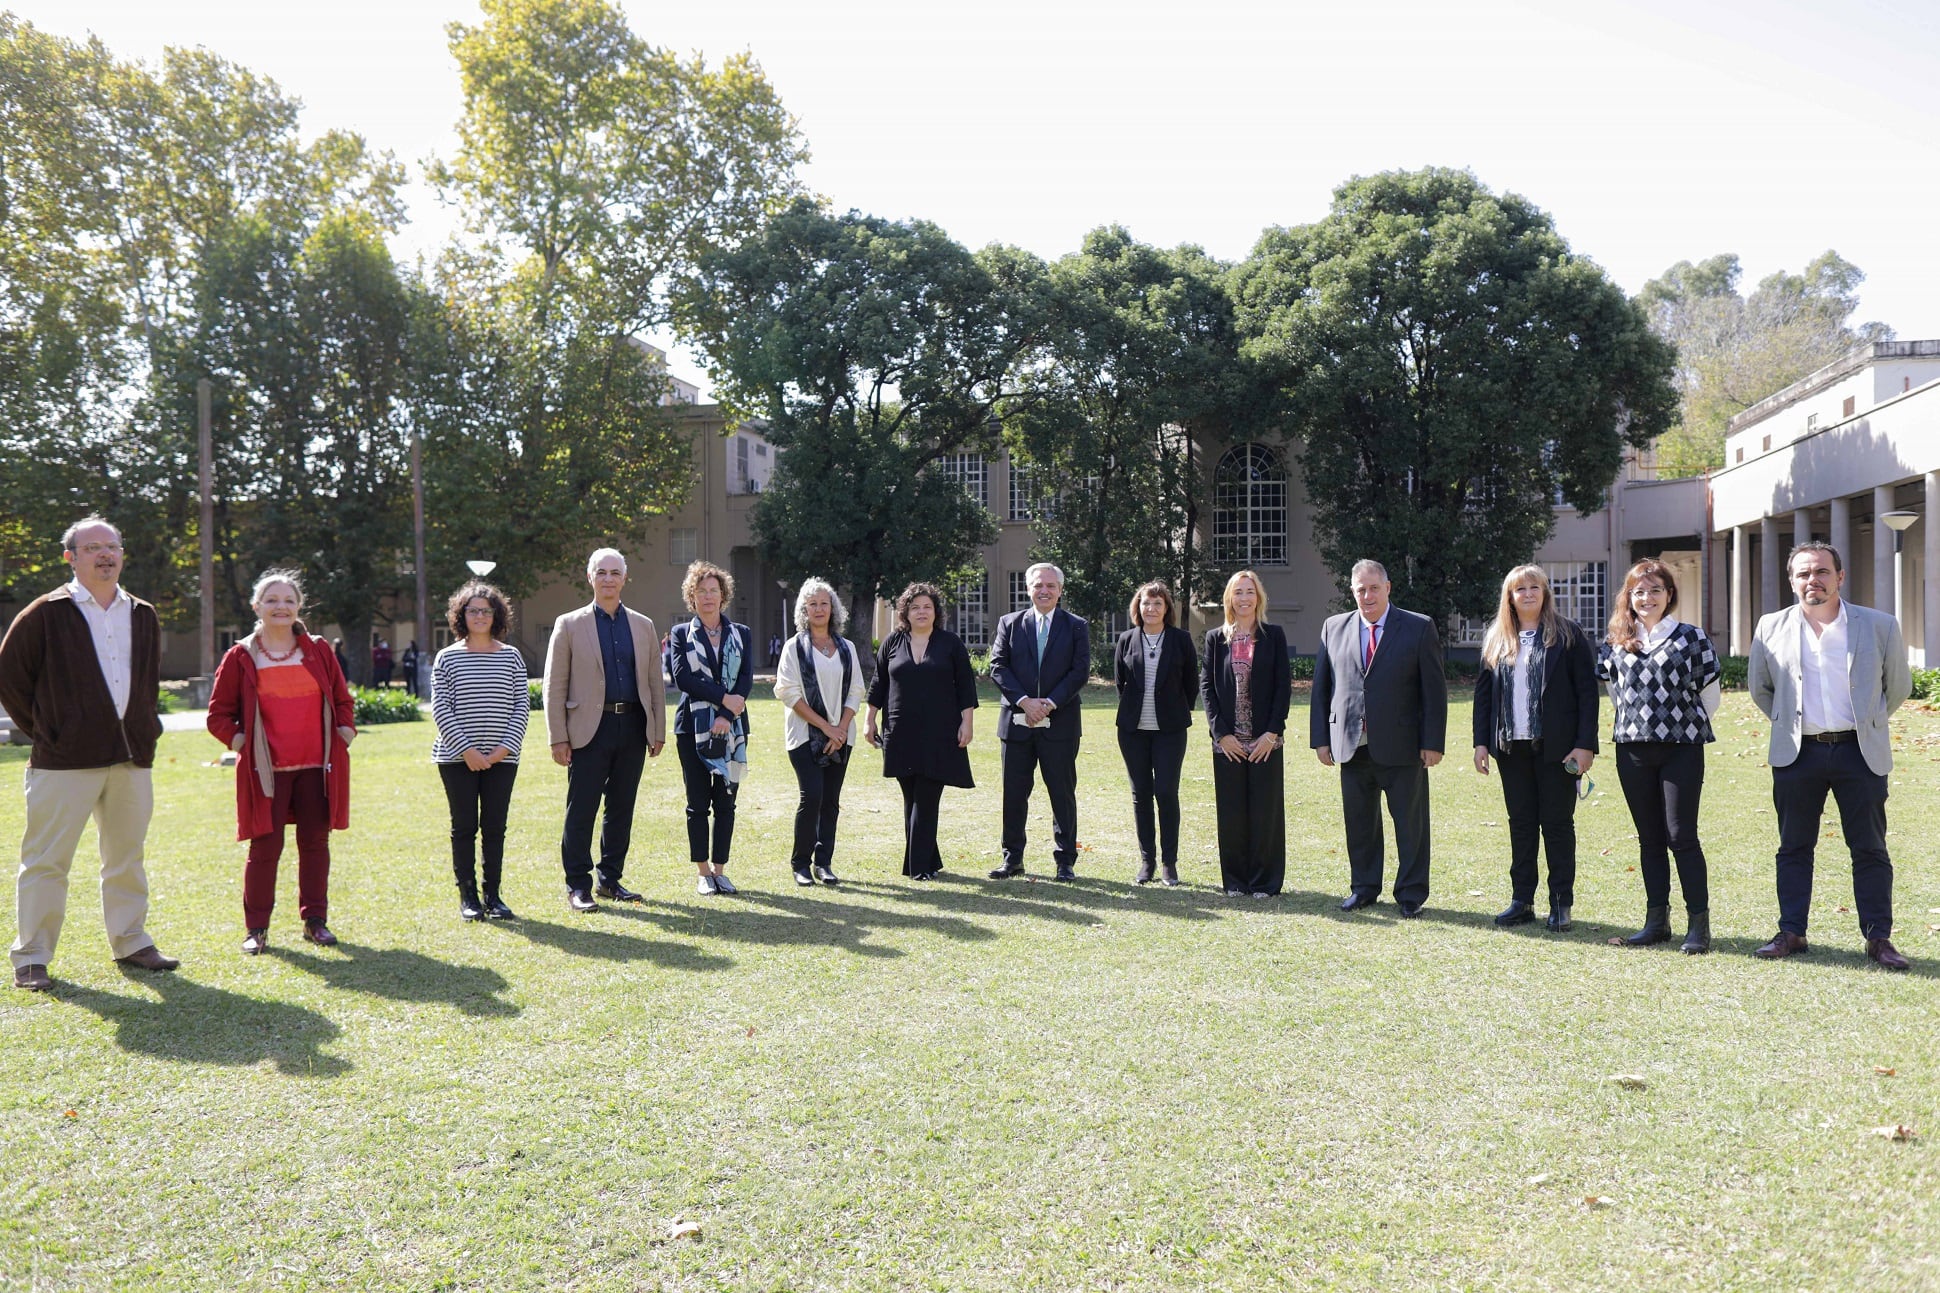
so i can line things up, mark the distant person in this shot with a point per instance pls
(774, 649)
(606, 715)
(281, 703)
(480, 701)
(926, 694)
(1248, 690)
(1040, 661)
(380, 664)
(818, 681)
(409, 663)
(714, 673)
(1157, 673)
(1829, 675)
(343, 661)
(1536, 704)
(80, 672)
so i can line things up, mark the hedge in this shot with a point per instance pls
(383, 705)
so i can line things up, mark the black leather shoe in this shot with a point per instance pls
(1885, 955)
(804, 878)
(581, 900)
(1516, 913)
(617, 892)
(1169, 875)
(1697, 941)
(1007, 872)
(495, 908)
(827, 876)
(1146, 870)
(1408, 910)
(1559, 919)
(469, 907)
(1657, 929)
(1065, 872)
(1356, 901)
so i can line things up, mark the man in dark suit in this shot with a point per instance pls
(1380, 713)
(1040, 661)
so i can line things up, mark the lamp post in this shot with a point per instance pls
(1899, 522)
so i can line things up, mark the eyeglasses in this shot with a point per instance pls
(96, 549)
(478, 610)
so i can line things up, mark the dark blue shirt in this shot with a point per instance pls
(616, 653)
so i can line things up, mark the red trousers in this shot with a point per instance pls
(299, 798)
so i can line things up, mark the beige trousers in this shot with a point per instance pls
(120, 799)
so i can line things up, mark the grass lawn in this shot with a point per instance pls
(972, 1085)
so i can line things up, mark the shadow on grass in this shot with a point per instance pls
(398, 974)
(196, 1024)
(604, 945)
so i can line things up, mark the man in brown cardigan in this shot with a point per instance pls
(79, 672)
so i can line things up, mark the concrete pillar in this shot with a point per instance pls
(1842, 528)
(1771, 556)
(1740, 590)
(1930, 586)
(1885, 596)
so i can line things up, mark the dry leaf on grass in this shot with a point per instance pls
(1540, 1178)
(1597, 1200)
(1475, 893)
(1883, 1071)
(679, 1229)
(1629, 1081)
(1898, 1131)
(70, 1113)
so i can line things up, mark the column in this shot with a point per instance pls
(1771, 556)
(1740, 590)
(1842, 528)
(1885, 596)
(1930, 585)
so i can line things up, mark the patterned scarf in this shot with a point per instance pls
(1505, 690)
(701, 714)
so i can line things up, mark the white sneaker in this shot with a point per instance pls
(724, 885)
(706, 885)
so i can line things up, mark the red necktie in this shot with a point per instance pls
(1373, 636)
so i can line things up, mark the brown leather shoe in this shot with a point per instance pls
(257, 943)
(1783, 944)
(31, 977)
(1888, 956)
(149, 958)
(315, 931)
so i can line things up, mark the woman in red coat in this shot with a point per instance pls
(280, 702)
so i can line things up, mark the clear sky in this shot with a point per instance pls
(1652, 130)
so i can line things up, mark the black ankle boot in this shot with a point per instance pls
(468, 905)
(1698, 941)
(1657, 928)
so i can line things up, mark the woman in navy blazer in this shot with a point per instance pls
(1536, 713)
(1158, 685)
(1249, 685)
(713, 671)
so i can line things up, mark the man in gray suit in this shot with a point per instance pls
(1829, 674)
(1380, 713)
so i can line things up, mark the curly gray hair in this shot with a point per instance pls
(838, 613)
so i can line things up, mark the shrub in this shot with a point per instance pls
(1926, 684)
(1733, 671)
(535, 690)
(980, 663)
(166, 702)
(376, 706)
(1460, 670)
(1303, 668)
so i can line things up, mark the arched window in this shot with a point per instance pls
(1250, 508)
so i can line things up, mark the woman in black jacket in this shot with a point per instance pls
(926, 697)
(1536, 713)
(1249, 685)
(1158, 684)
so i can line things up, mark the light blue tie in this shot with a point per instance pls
(1043, 637)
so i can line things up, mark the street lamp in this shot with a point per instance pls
(1898, 523)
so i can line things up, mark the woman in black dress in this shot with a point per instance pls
(924, 683)
(1158, 684)
(1249, 686)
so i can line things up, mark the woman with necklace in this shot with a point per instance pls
(1536, 713)
(1663, 677)
(926, 693)
(1249, 687)
(1158, 683)
(818, 681)
(280, 702)
(480, 700)
(713, 671)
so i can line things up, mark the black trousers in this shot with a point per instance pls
(1798, 793)
(819, 807)
(1362, 784)
(1540, 798)
(480, 803)
(921, 798)
(1153, 760)
(606, 768)
(708, 794)
(1250, 800)
(1025, 755)
(1663, 782)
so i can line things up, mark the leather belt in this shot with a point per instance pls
(1834, 738)
(619, 707)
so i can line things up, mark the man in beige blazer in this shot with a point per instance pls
(1829, 674)
(606, 713)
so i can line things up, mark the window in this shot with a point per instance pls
(1250, 508)
(226, 638)
(683, 546)
(970, 616)
(1846, 409)
(738, 474)
(1020, 592)
(1026, 496)
(968, 471)
(1581, 590)
(1741, 453)
(1812, 422)
(1767, 447)
(761, 449)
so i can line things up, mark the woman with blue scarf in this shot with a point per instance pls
(713, 670)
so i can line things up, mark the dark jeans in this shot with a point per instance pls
(298, 797)
(1153, 761)
(921, 797)
(819, 807)
(479, 801)
(1798, 792)
(1362, 784)
(1540, 798)
(607, 767)
(1024, 757)
(1663, 782)
(707, 794)
(1251, 802)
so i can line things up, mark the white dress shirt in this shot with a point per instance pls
(113, 631)
(1825, 691)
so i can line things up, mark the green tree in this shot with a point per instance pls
(874, 349)
(1733, 350)
(1450, 368)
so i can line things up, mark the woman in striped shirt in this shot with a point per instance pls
(479, 700)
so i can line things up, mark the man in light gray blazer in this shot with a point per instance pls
(1829, 674)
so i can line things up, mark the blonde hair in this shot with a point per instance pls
(690, 586)
(1500, 644)
(1226, 599)
(268, 577)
